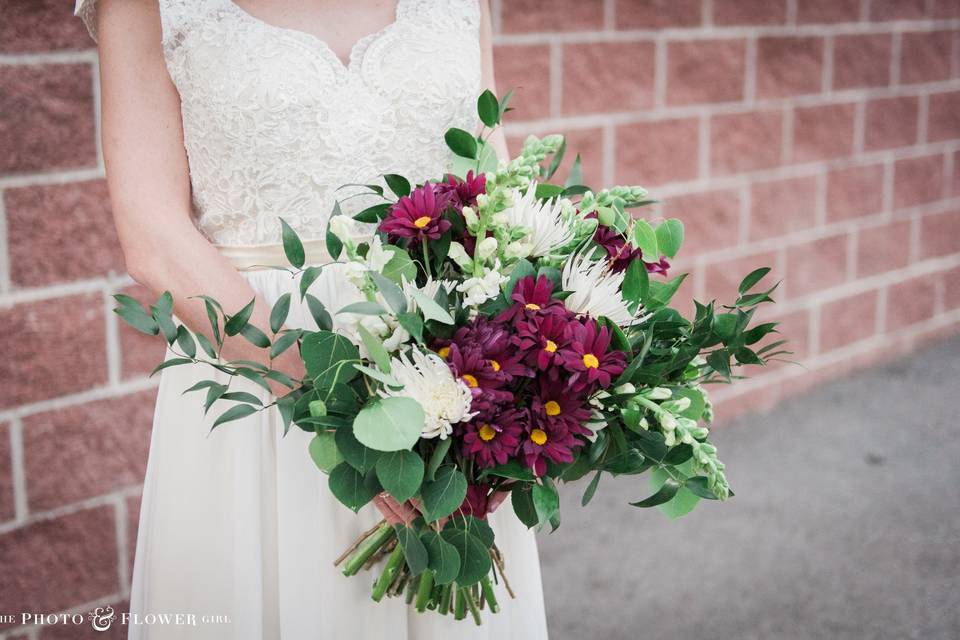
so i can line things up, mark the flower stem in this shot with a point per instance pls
(487, 587)
(472, 605)
(460, 604)
(425, 590)
(445, 599)
(371, 545)
(389, 573)
(426, 258)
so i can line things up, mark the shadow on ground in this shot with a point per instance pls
(846, 524)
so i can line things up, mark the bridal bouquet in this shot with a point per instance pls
(507, 334)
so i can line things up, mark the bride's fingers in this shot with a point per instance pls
(386, 509)
(496, 499)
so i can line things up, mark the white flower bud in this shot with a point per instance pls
(342, 227)
(517, 250)
(658, 393)
(486, 248)
(667, 421)
(470, 215)
(625, 388)
(459, 255)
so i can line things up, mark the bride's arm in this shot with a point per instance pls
(498, 140)
(149, 183)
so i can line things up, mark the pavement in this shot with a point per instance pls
(845, 524)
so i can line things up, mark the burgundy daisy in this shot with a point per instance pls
(419, 215)
(589, 357)
(493, 442)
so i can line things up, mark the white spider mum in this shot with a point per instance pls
(595, 290)
(427, 379)
(548, 229)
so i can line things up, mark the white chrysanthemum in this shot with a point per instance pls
(427, 379)
(595, 290)
(548, 229)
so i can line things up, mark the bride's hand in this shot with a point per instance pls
(496, 499)
(289, 364)
(394, 512)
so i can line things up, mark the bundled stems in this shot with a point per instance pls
(425, 590)
(488, 595)
(394, 563)
(365, 550)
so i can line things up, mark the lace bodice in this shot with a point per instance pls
(274, 122)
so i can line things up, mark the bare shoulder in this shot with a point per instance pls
(132, 26)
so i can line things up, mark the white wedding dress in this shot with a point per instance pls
(240, 523)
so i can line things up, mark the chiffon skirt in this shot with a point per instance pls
(238, 530)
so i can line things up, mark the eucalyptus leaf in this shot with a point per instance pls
(645, 239)
(323, 450)
(669, 237)
(414, 551)
(350, 487)
(400, 473)
(443, 557)
(444, 494)
(431, 310)
(389, 424)
(461, 142)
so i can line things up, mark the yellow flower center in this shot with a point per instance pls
(487, 433)
(539, 436)
(422, 221)
(470, 380)
(532, 307)
(552, 408)
(590, 361)
(551, 346)
(443, 352)
(495, 365)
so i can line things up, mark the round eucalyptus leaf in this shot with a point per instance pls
(389, 424)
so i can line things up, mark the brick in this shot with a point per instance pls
(589, 144)
(724, 276)
(789, 66)
(891, 122)
(520, 16)
(46, 117)
(133, 529)
(737, 12)
(828, 11)
(87, 450)
(711, 219)
(882, 10)
(917, 180)
(655, 153)
(705, 71)
(140, 353)
(854, 191)
(34, 26)
(925, 56)
(910, 302)
(946, 9)
(816, 265)
(658, 14)
(823, 132)
(7, 503)
(745, 141)
(51, 348)
(607, 76)
(940, 234)
(955, 181)
(884, 248)
(54, 564)
(861, 60)
(780, 207)
(526, 69)
(848, 320)
(69, 223)
(944, 116)
(951, 289)
(794, 327)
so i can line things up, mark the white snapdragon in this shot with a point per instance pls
(458, 254)
(486, 248)
(342, 227)
(479, 289)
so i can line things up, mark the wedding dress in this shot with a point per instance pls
(240, 523)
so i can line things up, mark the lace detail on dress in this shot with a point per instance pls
(274, 122)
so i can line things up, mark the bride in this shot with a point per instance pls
(218, 118)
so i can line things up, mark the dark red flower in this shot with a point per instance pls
(589, 357)
(419, 215)
(547, 441)
(493, 340)
(620, 253)
(659, 267)
(555, 404)
(476, 503)
(532, 297)
(493, 442)
(464, 192)
(542, 339)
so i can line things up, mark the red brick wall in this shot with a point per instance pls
(820, 137)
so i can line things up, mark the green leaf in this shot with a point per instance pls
(239, 320)
(361, 458)
(752, 279)
(660, 293)
(699, 486)
(505, 104)
(645, 239)
(431, 310)
(234, 413)
(436, 458)
(522, 499)
(242, 396)
(719, 360)
(591, 489)
(399, 266)
(365, 308)
(185, 342)
(398, 184)
(474, 556)
(391, 292)
(328, 358)
(555, 162)
(511, 469)
(255, 336)
(662, 495)
(308, 277)
(375, 349)
(212, 308)
(389, 424)
(413, 325)
(444, 494)
(292, 246)
(473, 524)
(443, 557)
(488, 108)
(636, 282)
(461, 142)
(350, 487)
(285, 341)
(576, 173)
(545, 501)
(164, 317)
(373, 214)
(400, 473)
(323, 450)
(319, 313)
(681, 503)
(521, 270)
(414, 550)
(669, 237)
(334, 245)
(378, 375)
(138, 319)
(206, 346)
(546, 190)
(279, 313)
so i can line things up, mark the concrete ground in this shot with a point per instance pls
(846, 524)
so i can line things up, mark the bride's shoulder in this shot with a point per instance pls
(172, 12)
(467, 11)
